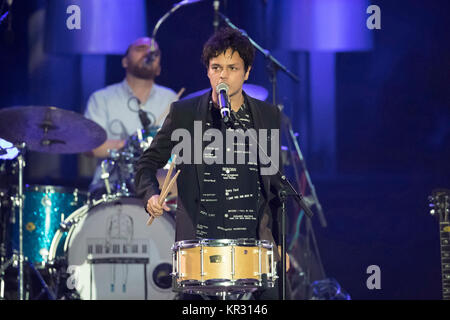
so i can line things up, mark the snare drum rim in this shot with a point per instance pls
(185, 244)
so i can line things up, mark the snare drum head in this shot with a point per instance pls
(115, 254)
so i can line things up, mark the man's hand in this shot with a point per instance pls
(102, 151)
(154, 208)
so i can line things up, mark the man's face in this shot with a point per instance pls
(134, 61)
(228, 68)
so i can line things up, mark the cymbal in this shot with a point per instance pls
(252, 90)
(7, 150)
(50, 129)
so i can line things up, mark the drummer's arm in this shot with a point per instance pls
(102, 151)
(97, 111)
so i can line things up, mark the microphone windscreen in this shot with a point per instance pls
(222, 87)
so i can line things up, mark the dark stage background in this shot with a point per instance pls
(387, 148)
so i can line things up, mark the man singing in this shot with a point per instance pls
(218, 198)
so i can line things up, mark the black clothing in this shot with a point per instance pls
(191, 115)
(229, 202)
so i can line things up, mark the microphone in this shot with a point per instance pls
(152, 54)
(143, 117)
(222, 96)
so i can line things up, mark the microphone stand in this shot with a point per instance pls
(175, 7)
(216, 5)
(274, 64)
(285, 189)
(322, 219)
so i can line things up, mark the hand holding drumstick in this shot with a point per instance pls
(156, 204)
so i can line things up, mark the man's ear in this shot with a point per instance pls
(125, 62)
(247, 73)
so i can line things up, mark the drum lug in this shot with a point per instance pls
(272, 274)
(75, 197)
(202, 270)
(259, 261)
(233, 271)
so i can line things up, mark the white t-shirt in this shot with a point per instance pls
(115, 109)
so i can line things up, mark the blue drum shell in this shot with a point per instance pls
(45, 207)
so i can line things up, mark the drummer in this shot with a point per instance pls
(116, 107)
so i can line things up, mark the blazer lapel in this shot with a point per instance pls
(202, 109)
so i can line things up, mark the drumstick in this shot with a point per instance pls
(166, 191)
(180, 92)
(166, 182)
(163, 195)
(169, 173)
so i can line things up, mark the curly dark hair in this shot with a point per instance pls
(226, 38)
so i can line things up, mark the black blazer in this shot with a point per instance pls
(182, 114)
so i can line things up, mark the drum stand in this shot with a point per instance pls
(224, 294)
(19, 202)
(3, 264)
(45, 288)
(5, 220)
(19, 258)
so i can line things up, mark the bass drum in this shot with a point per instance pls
(111, 253)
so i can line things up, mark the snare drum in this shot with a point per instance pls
(44, 208)
(111, 253)
(216, 266)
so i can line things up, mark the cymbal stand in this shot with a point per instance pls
(3, 223)
(18, 201)
(5, 220)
